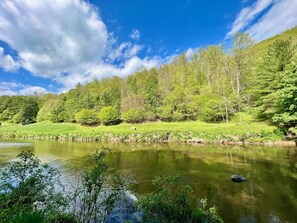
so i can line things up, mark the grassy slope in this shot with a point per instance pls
(157, 131)
(263, 45)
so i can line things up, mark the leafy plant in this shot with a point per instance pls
(133, 116)
(87, 117)
(26, 186)
(108, 116)
(171, 201)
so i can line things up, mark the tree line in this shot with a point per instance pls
(211, 86)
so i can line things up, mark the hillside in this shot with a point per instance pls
(213, 87)
(291, 33)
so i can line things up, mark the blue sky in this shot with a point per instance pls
(51, 45)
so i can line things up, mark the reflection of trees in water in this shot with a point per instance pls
(271, 187)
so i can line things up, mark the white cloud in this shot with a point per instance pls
(280, 15)
(135, 34)
(107, 70)
(7, 62)
(125, 51)
(14, 88)
(247, 15)
(32, 89)
(190, 53)
(64, 41)
(6, 88)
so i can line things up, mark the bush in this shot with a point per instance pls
(150, 116)
(25, 185)
(109, 116)
(87, 117)
(172, 202)
(133, 116)
(165, 113)
(18, 118)
(57, 115)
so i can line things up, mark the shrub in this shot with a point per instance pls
(178, 116)
(150, 116)
(133, 116)
(165, 113)
(25, 185)
(109, 116)
(57, 115)
(87, 117)
(172, 202)
(18, 118)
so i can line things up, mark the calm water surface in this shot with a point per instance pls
(269, 195)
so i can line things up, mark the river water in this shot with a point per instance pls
(268, 195)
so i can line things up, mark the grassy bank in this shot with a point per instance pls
(194, 131)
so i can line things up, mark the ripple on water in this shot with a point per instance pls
(15, 144)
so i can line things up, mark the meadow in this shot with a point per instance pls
(191, 131)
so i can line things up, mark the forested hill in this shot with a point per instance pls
(256, 80)
(289, 34)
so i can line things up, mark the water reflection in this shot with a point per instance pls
(268, 195)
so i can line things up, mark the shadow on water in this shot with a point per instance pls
(268, 195)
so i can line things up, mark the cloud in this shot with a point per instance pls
(125, 51)
(33, 89)
(65, 41)
(275, 16)
(190, 53)
(7, 62)
(14, 88)
(106, 70)
(247, 15)
(281, 16)
(135, 34)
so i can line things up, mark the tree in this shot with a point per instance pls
(242, 42)
(270, 73)
(286, 95)
(151, 91)
(109, 116)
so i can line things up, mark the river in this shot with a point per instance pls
(268, 195)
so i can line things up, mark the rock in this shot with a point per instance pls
(237, 178)
(121, 215)
(125, 210)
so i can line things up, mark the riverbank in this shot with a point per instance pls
(191, 132)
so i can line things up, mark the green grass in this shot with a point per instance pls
(146, 132)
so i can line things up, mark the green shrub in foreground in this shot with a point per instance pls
(171, 202)
(87, 117)
(109, 116)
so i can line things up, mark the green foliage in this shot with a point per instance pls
(18, 118)
(210, 86)
(95, 194)
(57, 114)
(133, 116)
(286, 114)
(87, 117)
(25, 107)
(108, 116)
(27, 185)
(165, 113)
(50, 104)
(172, 202)
(271, 70)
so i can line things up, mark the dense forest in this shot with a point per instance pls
(211, 86)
